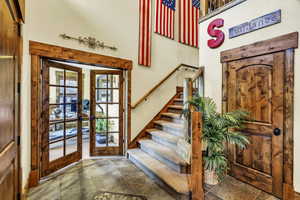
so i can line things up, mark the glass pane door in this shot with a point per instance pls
(62, 116)
(106, 113)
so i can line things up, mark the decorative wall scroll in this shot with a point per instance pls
(218, 34)
(91, 42)
(258, 23)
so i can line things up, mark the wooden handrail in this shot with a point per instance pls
(199, 73)
(143, 98)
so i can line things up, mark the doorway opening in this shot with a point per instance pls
(83, 113)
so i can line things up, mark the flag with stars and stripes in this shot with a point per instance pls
(189, 14)
(145, 27)
(165, 17)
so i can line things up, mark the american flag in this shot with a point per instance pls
(165, 17)
(189, 13)
(145, 32)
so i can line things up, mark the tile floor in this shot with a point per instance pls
(84, 179)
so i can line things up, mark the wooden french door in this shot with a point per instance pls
(106, 113)
(257, 85)
(62, 116)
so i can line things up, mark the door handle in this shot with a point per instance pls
(277, 131)
(92, 118)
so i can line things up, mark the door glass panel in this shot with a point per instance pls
(101, 110)
(101, 139)
(71, 129)
(71, 111)
(71, 95)
(71, 145)
(101, 81)
(71, 78)
(113, 139)
(56, 132)
(113, 125)
(56, 95)
(56, 76)
(114, 81)
(101, 96)
(113, 96)
(113, 110)
(56, 112)
(101, 125)
(56, 150)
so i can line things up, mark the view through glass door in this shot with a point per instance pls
(62, 123)
(106, 113)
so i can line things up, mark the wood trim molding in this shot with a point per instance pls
(286, 44)
(38, 52)
(297, 196)
(77, 56)
(280, 43)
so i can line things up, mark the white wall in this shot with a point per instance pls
(116, 23)
(244, 12)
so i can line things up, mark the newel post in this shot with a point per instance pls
(197, 165)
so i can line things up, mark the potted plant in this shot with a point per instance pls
(218, 129)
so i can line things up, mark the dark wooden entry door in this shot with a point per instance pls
(106, 113)
(9, 103)
(62, 116)
(256, 85)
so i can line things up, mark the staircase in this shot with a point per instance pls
(156, 150)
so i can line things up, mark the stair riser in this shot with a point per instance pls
(159, 181)
(178, 103)
(173, 110)
(164, 142)
(171, 119)
(176, 167)
(176, 132)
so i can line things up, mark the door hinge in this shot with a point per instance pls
(19, 88)
(19, 140)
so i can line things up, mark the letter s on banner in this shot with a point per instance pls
(219, 35)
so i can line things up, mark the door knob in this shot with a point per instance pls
(277, 131)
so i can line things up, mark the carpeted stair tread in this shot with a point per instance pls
(168, 124)
(175, 180)
(177, 107)
(163, 151)
(172, 115)
(170, 138)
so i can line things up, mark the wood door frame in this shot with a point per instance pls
(286, 43)
(38, 52)
(109, 150)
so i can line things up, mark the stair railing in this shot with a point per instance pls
(209, 6)
(193, 130)
(145, 97)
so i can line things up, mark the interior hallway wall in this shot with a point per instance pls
(251, 9)
(116, 23)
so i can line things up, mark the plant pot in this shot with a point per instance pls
(210, 177)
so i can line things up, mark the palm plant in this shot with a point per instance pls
(218, 129)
